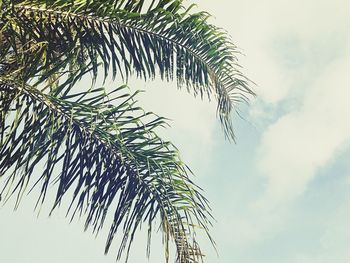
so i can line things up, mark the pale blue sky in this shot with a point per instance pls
(281, 194)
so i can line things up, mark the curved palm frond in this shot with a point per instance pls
(99, 148)
(95, 153)
(132, 36)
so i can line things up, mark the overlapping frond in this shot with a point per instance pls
(96, 152)
(98, 147)
(133, 36)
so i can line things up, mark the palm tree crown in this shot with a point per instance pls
(98, 147)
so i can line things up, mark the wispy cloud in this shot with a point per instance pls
(299, 54)
(310, 136)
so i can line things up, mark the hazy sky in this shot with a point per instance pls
(281, 194)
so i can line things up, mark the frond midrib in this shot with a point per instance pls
(108, 21)
(217, 82)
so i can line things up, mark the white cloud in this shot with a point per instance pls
(298, 53)
(301, 142)
(258, 26)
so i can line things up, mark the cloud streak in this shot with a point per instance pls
(301, 142)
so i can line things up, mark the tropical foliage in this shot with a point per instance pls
(97, 146)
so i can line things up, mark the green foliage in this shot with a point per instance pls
(99, 145)
(166, 39)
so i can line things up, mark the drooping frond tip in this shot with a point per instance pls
(133, 36)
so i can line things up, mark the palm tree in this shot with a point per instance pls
(96, 146)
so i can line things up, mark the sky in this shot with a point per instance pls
(281, 193)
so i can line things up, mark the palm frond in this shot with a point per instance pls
(96, 153)
(132, 36)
